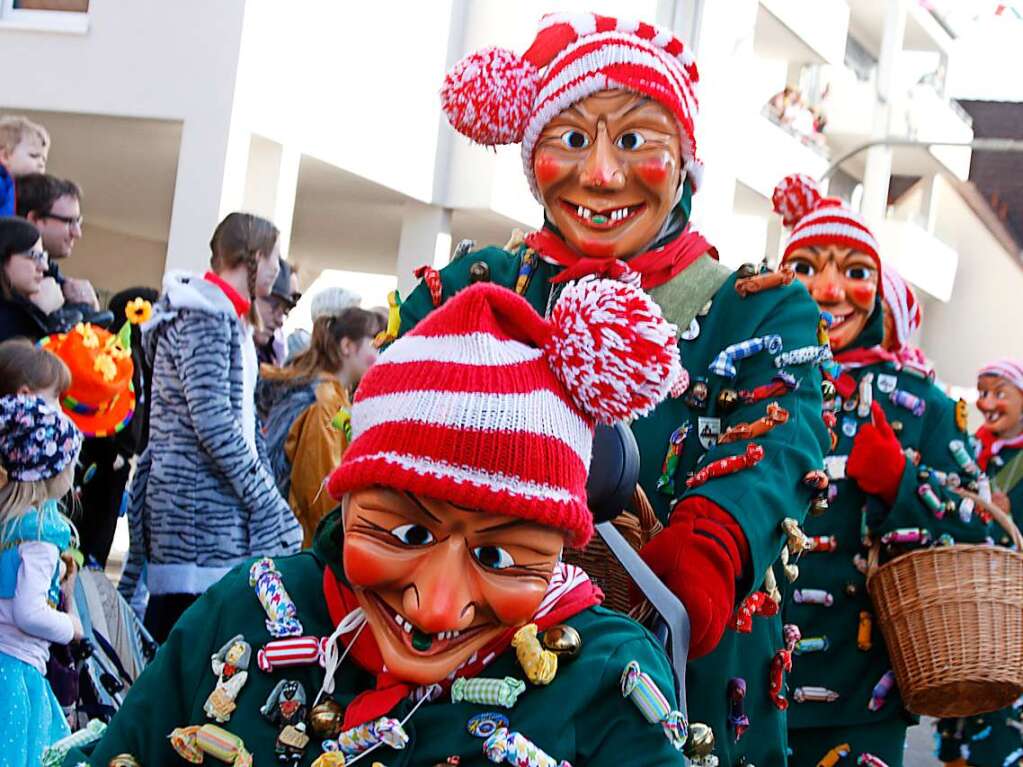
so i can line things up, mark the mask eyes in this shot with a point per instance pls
(575, 139)
(858, 273)
(803, 268)
(493, 557)
(413, 535)
(630, 140)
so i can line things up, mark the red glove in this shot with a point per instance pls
(876, 460)
(700, 556)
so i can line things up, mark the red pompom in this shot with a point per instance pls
(489, 94)
(612, 349)
(794, 197)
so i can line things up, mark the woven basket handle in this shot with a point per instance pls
(649, 524)
(1003, 519)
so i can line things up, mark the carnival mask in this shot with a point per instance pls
(1001, 404)
(608, 169)
(438, 582)
(843, 282)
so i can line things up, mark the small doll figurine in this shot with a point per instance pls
(286, 708)
(230, 665)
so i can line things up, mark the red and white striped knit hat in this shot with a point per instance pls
(817, 220)
(906, 311)
(487, 405)
(495, 97)
(1010, 370)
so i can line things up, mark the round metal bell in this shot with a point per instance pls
(728, 400)
(828, 391)
(326, 718)
(124, 760)
(896, 426)
(700, 741)
(851, 589)
(479, 272)
(563, 641)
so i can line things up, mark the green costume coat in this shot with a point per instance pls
(989, 740)
(581, 716)
(843, 667)
(703, 302)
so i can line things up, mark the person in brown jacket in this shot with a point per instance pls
(307, 406)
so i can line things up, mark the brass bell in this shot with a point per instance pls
(896, 426)
(851, 589)
(828, 391)
(124, 760)
(728, 400)
(700, 741)
(950, 507)
(562, 640)
(326, 718)
(479, 272)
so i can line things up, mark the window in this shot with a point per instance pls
(67, 6)
(47, 15)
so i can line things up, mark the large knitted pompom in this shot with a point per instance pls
(794, 197)
(612, 349)
(488, 96)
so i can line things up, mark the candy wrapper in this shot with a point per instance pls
(282, 615)
(638, 687)
(488, 692)
(539, 664)
(193, 743)
(358, 739)
(54, 755)
(516, 749)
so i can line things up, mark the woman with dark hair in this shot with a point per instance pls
(203, 498)
(23, 265)
(308, 404)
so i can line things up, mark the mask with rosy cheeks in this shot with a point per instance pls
(609, 169)
(843, 282)
(438, 582)
(1001, 404)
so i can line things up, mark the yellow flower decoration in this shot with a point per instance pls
(139, 311)
(106, 367)
(115, 349)
(89, 338)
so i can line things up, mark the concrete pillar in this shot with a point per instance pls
(879, 159)
(425, 239)
(271, 184)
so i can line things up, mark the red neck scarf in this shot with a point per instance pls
(655, 267)
(860, 358)
(238, 301)
(570, 592)
(991, 446)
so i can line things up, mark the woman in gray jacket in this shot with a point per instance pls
(203, 498)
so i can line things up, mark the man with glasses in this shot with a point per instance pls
(54, 206)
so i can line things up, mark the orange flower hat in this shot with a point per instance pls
(101, 400)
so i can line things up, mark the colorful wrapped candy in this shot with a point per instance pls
(814, 695)
(804, 355)
(539, 664)
(295, 651)
(757, 603)
(866, 390)
(54, 755)
(963, 458)
(879, 695)
(832, 758)
(811, 644)
(488, 692)
(526, 269)
(781, 663)
(869, 760)
(329, 759)
(669, 469)
(638, 687)
(282, 615)
(737, 718)
(910, 402)
(782, 383)
(431, 277)
(813, 597)
(193, 743)
(822, 543)
(863, 632)
(791, 635)
(930, 499)
(724, 466)
(516, 749)
(747, 286)
(724, 364)
(358, 739)
(776, 416)
(907, 536)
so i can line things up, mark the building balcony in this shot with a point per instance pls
(919, 256)
(797, 31)
(67, 16)
(924, 32)
(773, 152)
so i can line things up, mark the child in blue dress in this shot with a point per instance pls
(38, 450)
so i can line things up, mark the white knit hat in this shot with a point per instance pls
(332, 301)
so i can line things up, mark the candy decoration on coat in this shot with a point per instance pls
(514, 748)
(295, 651)
(669, 469)
(358, 739)
(791, 570)
(724, 364)
(866, 389)
(781, 384)
(747, 286)
(963, 458)
(869, 760)
(813, 597)
(758, 603)
(331, 759)
(908, 401)
(487, 692)
(540, 665)
(55, 754)
(486, 724)
(737, 718)
(817, 479)
(230, 664)
(193, 743)
(863, 632)
(781, 664)
(966, 506)
(526, 269)
(121, 760)
(681, 385)
(791, 635)
(725, 466)
(931, 500)
(796, 539)
(962, 415)
(911, 536)
(642, 690)
(879, 695)
(822, 543)
(814, 695)
(811, 644)
(776, 416)
(342, 421)
(431, 277)
(804, 355)
(833, 756)
(282, 615)
(390, 333)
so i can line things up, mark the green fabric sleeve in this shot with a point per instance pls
(612, 730)
(759, 498)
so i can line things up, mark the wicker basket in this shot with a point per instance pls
(602, 566)
(952, 619)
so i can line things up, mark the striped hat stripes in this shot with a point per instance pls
(1010, 370)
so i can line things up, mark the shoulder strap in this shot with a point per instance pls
(681, 298)
(1011, 474)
